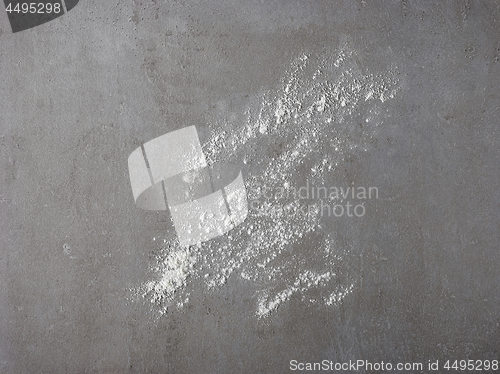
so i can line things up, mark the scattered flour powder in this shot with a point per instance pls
(302, 130)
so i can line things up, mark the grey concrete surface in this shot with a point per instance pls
(80, 93)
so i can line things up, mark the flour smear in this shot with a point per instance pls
(303, 130)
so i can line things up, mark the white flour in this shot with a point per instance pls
(307, 121)
(174, 272)
(304, 282)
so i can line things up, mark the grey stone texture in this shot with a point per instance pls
(80, 93)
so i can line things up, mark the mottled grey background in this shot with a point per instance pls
(80, 93)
